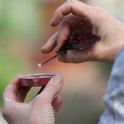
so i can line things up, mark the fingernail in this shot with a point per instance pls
(53, 79)
(57, 79)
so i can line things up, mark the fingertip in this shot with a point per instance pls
(57, 82)
(57, 79)
(52, 23)
(47, 48)
(56, 18)
(44, 49)
(50, 44)
(53, 87)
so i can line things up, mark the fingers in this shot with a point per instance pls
(63, 10)
(43, 102)
(53, 87)
(50, 44)
(15, 92)
(63, 33)
(50, 91)
(11, 89)
(58, 39)
(57, 103)
(71, 6)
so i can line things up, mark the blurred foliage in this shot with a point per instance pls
(18, 20)
(9, 67)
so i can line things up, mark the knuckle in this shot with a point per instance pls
(98, 8)
(52, 88)
(97, 11)
(70, 2)
(57, 11)
(87, 10)
(62, 37)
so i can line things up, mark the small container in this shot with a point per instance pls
(38, 79)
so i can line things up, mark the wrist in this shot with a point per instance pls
(112, 52)
(119, 42)
(116, 42)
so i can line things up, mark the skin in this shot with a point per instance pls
(66, 18)
(71, 14)
(39, 111)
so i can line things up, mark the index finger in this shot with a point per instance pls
(71, 6)
(15, 91)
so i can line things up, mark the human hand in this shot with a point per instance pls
(74, 13)
(39, 111)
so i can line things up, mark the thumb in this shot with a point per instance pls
(52, 88)
(42, 104)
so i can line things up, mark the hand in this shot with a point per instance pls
(71, 14)
(39, 111)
